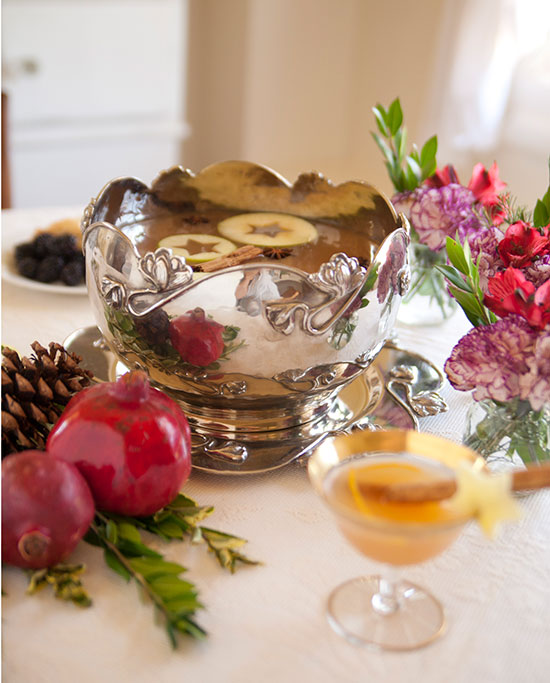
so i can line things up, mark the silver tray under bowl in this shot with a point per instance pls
(397, 389)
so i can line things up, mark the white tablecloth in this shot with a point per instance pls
(267, 623)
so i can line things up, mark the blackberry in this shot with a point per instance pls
(24, 250)
(66, 246)
(27, 266)
(72, 273)
(45, 245)
(49, 269)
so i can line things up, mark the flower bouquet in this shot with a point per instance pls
(500, 276)
(437, 206)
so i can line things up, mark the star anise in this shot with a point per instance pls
(276, 252)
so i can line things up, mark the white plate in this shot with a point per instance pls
(15, 231)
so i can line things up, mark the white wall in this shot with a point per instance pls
(291, 84)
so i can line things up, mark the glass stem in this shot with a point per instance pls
(385, 601)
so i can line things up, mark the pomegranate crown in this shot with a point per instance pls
(133, 387)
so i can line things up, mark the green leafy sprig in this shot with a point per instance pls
(125, 552)
(463, 280)
(65, 581)
(175, 600)
(182, 517)
(406, 171)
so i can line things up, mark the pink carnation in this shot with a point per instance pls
(403, 201)
(483, 245)
(536, 385)
(538, 272)
(493, 360)
(440, 212)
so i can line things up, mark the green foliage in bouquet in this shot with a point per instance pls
(406, 171)
(541, 214)
(463, 283)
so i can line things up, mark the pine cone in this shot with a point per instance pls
(35, 391)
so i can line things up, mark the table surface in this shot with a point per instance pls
(267, 623)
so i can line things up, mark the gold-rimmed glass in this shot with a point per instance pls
(383, 609)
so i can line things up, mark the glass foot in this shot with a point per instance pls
(355, 611)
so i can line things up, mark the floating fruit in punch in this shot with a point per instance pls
(130, 441)
(47, 508)
(198, 248)
(196, 338)
(268, 229)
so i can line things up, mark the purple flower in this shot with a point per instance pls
(439, 212)
(539, 272)
(536, 385)
(483, 245)
(492, 360)
(403, 201)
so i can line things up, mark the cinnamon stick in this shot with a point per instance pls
(240, 255)
(534, 477)
(418, 492)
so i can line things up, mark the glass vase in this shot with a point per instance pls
(428, 301)
(510, 432)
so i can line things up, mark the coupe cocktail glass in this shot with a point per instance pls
(385, 610)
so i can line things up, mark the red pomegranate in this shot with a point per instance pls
(196, 338)
(47, 508)
(131, 443)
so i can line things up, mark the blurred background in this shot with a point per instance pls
(102, 88)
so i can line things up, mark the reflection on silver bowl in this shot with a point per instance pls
(397, 389)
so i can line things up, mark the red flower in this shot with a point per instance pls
(511, 292)
(443, 176)
(521, 244)
(486, 185)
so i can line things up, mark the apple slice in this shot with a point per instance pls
(267, 229)
(198, 248)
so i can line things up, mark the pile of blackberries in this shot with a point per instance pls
(51, 257)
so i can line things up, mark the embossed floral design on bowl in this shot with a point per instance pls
(297, 337)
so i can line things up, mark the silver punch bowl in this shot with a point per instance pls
(257, 351)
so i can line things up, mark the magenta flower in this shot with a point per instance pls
(493, 360)
(439, 212)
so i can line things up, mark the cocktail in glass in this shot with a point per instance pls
(382, 610)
